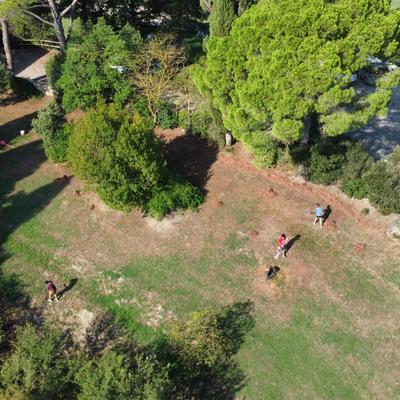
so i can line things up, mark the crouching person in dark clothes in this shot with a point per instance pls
(51, 291)
(270, 272)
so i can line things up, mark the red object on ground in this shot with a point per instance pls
(3, 143)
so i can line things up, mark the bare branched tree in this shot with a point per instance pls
(161, 60)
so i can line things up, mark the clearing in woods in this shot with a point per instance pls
(327, 326)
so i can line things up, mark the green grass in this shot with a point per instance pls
(329, 341)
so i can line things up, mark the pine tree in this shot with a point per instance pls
(222, 16)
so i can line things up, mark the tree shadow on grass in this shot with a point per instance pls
(10, 130)
(16, 208)
(192, 157)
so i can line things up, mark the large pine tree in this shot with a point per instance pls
(222, 16)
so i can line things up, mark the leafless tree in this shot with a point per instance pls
(161, 60)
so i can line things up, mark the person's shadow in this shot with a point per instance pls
(292, 241)
(327, 213)
(68, 287)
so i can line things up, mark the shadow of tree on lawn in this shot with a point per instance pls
(192, 158)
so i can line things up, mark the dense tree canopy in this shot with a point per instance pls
(177, 16)
(98, 67)
(286, 61)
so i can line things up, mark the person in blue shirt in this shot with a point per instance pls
(319, 215)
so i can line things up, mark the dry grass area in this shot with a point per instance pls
(327, 325)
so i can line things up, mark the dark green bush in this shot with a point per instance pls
(193, 49)
(119, 155)
(383, 183)
(51, 125)
(358, 163)
(54, 69)
(201, 122)
(356, 187)
(5, 79)
(176, 195)
(36, 367)
(185, 119)
(167, 117)
(326, 161)
(197, 122)
(264, 148)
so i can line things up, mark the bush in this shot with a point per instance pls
(51, 125)
(198, 123)
(355, 188)
(54, 69)
(167, 117)
(326, 161)
(5, 79)
(174, 196)
(36, 366)
(185, 119)
(119, 155)
(264, 148)
(383, 183)
(193, 49)
(358, 163)
(139, 106)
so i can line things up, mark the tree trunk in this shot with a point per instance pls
(6, 45)
(58, 25)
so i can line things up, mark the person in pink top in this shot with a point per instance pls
(282, 242)
(51, 291)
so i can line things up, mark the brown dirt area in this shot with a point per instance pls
(239, 197)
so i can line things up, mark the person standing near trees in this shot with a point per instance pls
(282, 242)
(319, 214)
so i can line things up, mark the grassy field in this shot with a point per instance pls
(327, 329)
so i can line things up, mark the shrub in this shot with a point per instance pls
(35, 369)
(355, 188)
(193, 49)
(5, 79)
(184, 119)
(50, 124)
(54, 69)
(200, 125)
(167, 117)
(325, 163)
(264, 148)
(358, 163)
(139, 106)
(119, 155)
(365, 211)
(383, 183)
(176, 195)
